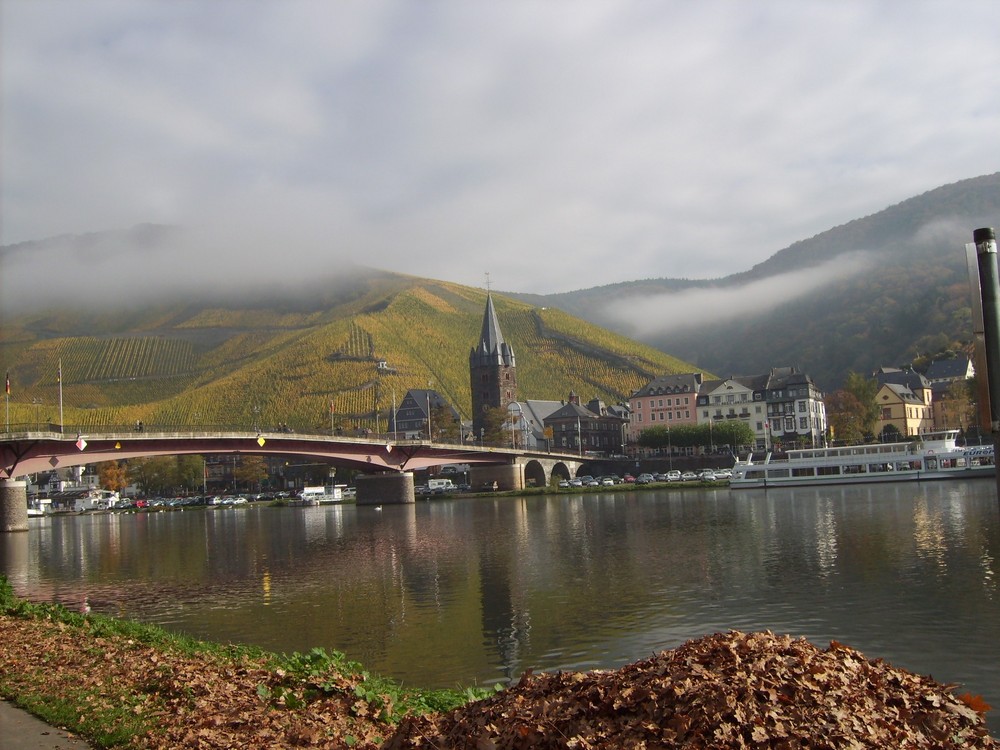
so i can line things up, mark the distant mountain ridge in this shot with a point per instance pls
(912, 298)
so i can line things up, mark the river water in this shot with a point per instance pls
(476, 591)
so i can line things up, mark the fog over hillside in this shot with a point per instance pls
(162, 264)
(644, 317)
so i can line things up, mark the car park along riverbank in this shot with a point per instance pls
(645, 481)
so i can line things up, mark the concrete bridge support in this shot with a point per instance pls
(394, 488)
(508, 477)
(13, 505)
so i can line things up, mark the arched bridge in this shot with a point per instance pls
(27, 453)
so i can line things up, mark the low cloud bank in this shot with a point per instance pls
(156, 264)
(643, 317)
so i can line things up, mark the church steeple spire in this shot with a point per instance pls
(492, 349)
(492, 368)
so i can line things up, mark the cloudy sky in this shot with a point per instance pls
(555, 144)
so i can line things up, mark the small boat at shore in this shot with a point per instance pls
(930, 456)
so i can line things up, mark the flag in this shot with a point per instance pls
(59, 376)
(8, 383)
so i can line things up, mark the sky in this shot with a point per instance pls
(551, 144)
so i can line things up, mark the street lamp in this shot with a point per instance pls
(510, 411)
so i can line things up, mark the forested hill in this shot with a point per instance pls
(879, 290)
(340, 357)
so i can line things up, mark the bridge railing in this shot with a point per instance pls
(73, 430)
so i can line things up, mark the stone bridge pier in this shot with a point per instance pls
(390, 488)
(13, 505)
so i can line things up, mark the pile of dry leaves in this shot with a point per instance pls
(192, 700)
(723, 691)
(736, 690)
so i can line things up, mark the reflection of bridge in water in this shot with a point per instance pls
(387, 465)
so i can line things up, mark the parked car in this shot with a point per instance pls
(707, 475)
(607, 481)
(629, 479)
(689, 476)
(644, 479)
(564, 483)
(673, 475)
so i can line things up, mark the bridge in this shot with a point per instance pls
(387, 464)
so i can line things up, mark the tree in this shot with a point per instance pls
(960, 404)
(155, 475)
(494, 420)
(252, 470)
(112, 475)
(446, 428)
(864, 390)
(890, 434)
(734, 433)
(190, 472)
(843, 412)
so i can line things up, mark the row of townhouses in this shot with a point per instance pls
(781, 407)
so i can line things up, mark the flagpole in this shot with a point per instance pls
(6, 398)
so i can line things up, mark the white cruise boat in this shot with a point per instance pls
(931, 456)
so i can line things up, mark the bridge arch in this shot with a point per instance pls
(534, 474)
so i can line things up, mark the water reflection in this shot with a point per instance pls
(457, 592)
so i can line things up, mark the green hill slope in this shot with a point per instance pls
(312, 367)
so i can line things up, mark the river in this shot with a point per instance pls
(475, 591)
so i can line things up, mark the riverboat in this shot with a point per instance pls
(930, 456)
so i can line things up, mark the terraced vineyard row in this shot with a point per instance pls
(124, 358)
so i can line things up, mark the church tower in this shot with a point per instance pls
(492, 371)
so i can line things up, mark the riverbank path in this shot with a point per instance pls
(20, 730)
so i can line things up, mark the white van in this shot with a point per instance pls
(318, 495)
(440, 486)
